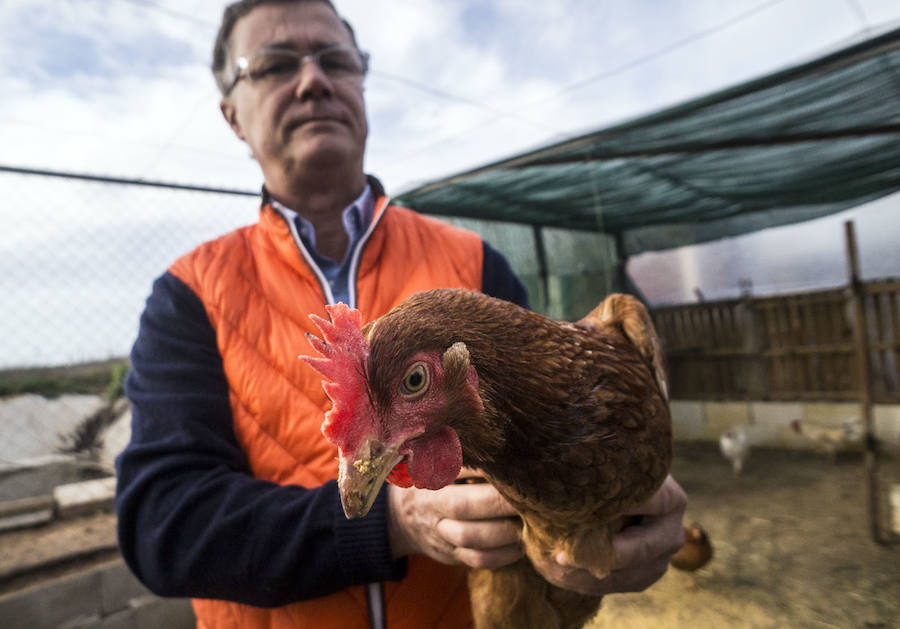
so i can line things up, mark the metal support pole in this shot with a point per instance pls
(543, 271)
(620, 275)
(861, 339)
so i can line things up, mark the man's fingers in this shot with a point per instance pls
(635, 579)
(668, 498)
(479, 534)
(476, 502)
(660, 532)
(489, 559)
(645, 542)
(642, 550)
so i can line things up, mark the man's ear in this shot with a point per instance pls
(230, 113)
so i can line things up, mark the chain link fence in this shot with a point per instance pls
(79, 256)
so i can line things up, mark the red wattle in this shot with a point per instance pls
(399, 476)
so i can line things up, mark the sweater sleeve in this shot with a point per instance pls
(192, 521)
(498, 279)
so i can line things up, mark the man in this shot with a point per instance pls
(226, 491)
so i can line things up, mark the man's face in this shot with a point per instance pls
(310, 122)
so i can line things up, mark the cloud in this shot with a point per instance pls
(123, 88)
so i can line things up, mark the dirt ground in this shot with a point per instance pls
(792, 549)
(790, 535)
(31, 555)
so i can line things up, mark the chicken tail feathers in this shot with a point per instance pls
(629, 315)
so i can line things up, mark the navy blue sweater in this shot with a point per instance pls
(192, 520)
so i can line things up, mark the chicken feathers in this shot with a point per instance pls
(569, 421)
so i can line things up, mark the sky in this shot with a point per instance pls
(122, 88)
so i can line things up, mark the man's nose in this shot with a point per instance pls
(312, 82)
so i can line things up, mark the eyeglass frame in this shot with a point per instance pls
(243, 62)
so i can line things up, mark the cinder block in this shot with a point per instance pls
(831, 414)
(895, 508)
(769, 435)
(772, 421)
(152, 612)
(82, 622)
(118, 587)
(720, 416)
(90, 496)
(38, 476)
(687, 420)
(124, 619)
(15, 514)
(50, 605)
(887, 425)
(776, 413)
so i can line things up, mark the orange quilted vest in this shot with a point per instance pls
(258, 289)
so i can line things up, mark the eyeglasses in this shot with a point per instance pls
(276, 66)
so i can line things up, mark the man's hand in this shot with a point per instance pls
(642, 550)
(470, 524)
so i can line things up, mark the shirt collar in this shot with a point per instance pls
(356, 217)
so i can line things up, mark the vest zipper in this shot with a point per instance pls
(357, 251)
(354, 260)
(375, 600)
(374, 592)
(323, 281)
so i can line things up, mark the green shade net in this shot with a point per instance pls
(799, 144)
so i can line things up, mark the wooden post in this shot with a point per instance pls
(754, 367)
(861, 339)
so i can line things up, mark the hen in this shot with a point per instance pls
(696, 552)
(570, 422)
(735, 446)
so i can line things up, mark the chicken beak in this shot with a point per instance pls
(359, 480)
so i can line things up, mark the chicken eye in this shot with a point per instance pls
(415, 380)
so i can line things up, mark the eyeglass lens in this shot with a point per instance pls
(281, 65)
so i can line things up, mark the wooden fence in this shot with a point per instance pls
(789, 347)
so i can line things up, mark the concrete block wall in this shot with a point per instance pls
(769, 423)
(103, 597)
(67, 501)
(86, 497)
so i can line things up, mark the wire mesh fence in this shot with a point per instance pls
(79, 254)
(78, 258)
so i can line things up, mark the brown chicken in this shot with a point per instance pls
(696, 552)
(570, 422)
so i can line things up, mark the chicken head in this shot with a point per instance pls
(401, 433)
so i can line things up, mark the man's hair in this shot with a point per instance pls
(235, 11)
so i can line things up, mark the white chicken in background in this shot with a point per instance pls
(830, 441)
(735, 446)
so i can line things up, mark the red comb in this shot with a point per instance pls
(345, 356)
